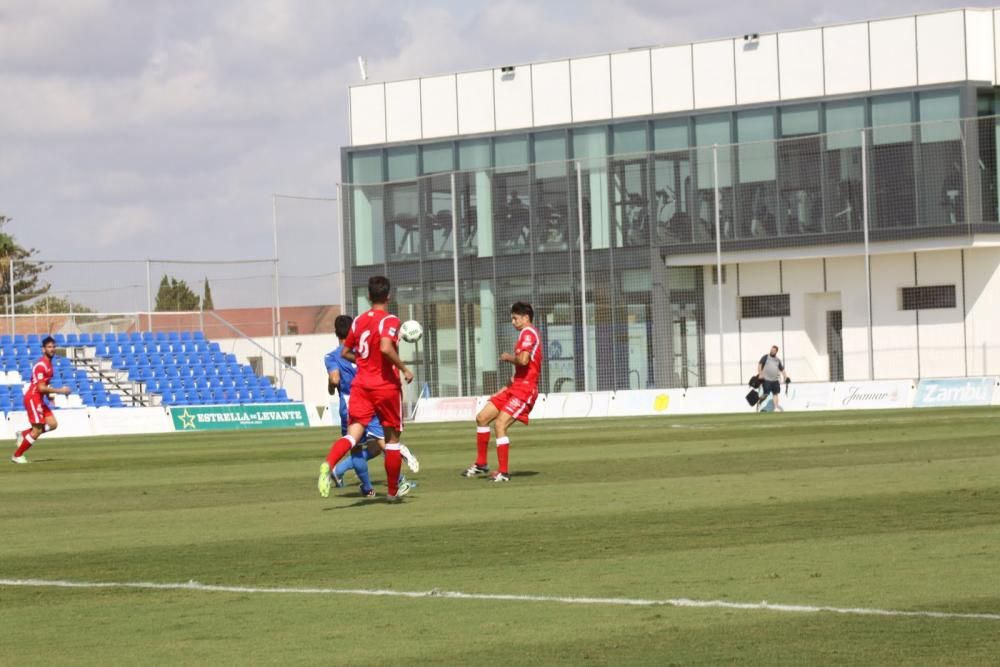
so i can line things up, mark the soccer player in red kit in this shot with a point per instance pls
(514, 402)
(373, 344)
(39, 413)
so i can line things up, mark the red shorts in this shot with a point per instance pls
(517, 401)
(37, 409)
(385, 403)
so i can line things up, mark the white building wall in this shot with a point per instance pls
(941, 331)
(402, 111)
(631, 92)
(757, 334)
(673, 85)
(731, 368)
(941, 47)
(874, 55)
(714, 74)
(801, 64)
(475, 102)
(894, 330)
(551, 93)
(979, 51)
(982, 293)
(846, 59)
(893, 53)
(845, 276)
(591, 88)
(804, 346)
(756, 69)
(439, 106)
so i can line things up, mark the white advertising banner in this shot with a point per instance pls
(645, 402)
(874, 395)
(122, 421)
(73, 423)
(584, 404)
(807, 396)
(446, 409)
(713, 400)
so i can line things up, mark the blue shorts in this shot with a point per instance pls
(372, 430)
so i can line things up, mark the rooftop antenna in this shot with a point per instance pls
(363, 66)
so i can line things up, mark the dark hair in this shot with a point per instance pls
(342, 325)
(522, 308)
(47, 340)
(378, 289)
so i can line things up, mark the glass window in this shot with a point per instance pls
(550, 154)
(671, 135)
(511, 151)
(438, 158)
(366, 167)
(891, 116)
(474, 154)
(756, 160)
(402, 163)
(844, 120)
(939, 113)
(796, 121)
(710, 130)
(629, 138)
(591, 142)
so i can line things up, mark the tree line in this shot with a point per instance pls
(31, 290)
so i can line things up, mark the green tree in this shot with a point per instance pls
(206, 298)
(175, 295)
(28, 283)
(56, 304)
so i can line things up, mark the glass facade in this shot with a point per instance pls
(582, 222)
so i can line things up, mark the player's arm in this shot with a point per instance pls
(44, 388)
(522, 358)
(388, 348)
(333, 381)
(760, 369)
(348, 354)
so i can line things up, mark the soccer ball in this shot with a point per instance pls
(411, 331)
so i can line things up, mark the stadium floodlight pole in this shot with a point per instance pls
(583, 277)
(343, 252)
(454, 266)
(279, 369)
(718, 261)
(868, 271)
(149, 298)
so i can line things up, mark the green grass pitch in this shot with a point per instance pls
(850, 510)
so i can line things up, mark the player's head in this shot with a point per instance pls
(49, 346)
(342, 326)
(774, 350)
(521, 314)
(378, 289)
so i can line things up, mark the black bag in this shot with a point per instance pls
(753, 397)
(754, 382)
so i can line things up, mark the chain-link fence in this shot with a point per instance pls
(859, 253)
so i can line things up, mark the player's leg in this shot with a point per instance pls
(389, 407)
(503, 422)
(354, 433)
(485, 417)
(38, 416)
(777, 397)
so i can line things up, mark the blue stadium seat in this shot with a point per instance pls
(19, 339)
(85, 338)
(60, 339)
(115, 401)
(72, 339)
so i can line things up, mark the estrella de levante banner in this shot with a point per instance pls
(220, 417)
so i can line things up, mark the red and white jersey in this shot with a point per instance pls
(529, 341)
(367, 331)
(41, 372)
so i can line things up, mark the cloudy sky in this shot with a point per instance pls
(158, 129)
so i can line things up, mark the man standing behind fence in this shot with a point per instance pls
(771, 371)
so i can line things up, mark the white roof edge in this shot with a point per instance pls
(664, 46)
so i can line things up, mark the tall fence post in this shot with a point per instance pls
(279, 371)
(718, 260)
(868, 268)
(583, 278)
(454, 268)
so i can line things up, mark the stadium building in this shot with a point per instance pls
(843, 178)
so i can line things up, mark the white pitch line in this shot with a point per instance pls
(456, 595)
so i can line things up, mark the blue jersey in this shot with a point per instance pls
(335, 362)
